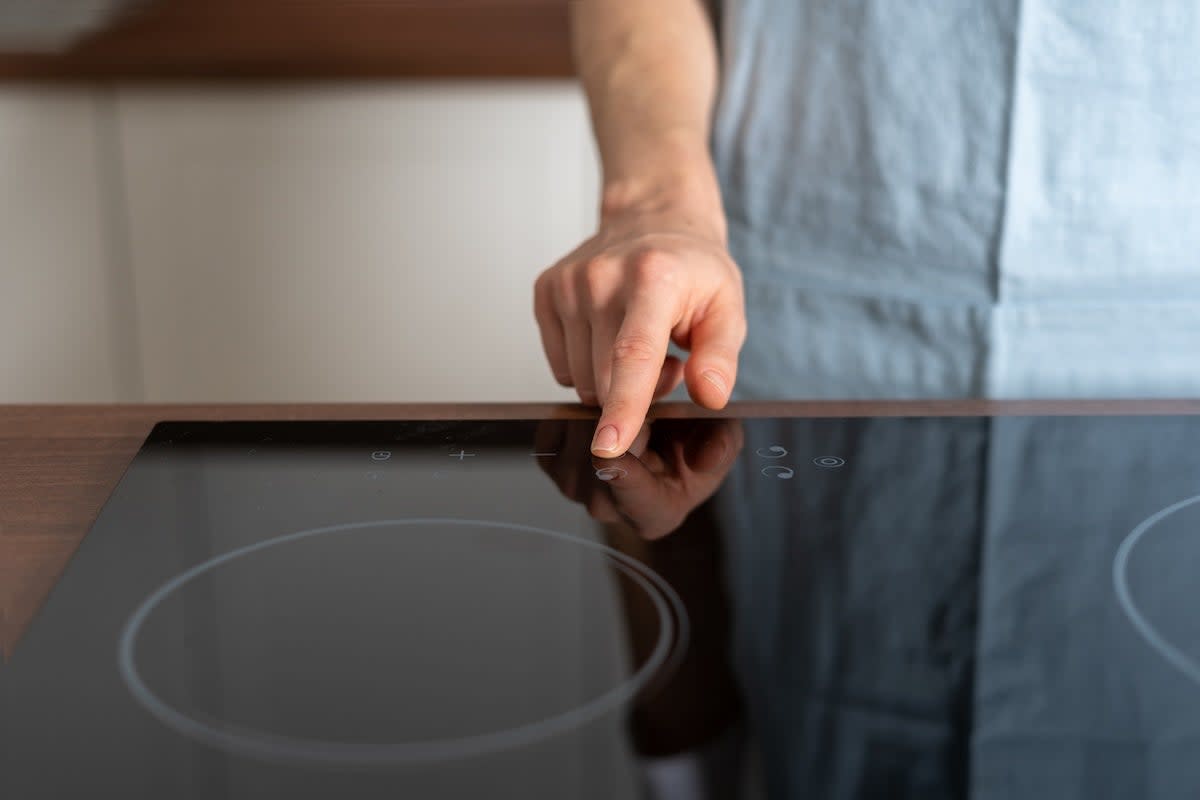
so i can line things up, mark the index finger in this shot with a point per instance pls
(637, 360)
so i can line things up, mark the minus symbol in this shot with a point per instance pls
(540, 455)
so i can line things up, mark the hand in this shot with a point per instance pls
(608, 310)
(667, 473)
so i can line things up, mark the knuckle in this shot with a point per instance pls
(563, 297)
(597, 275)
(542, 296)
(654, 267)
(634, 348)
(594, 281)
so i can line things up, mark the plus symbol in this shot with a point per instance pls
(461, 454)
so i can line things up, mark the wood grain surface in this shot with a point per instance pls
(314, 39)
(58, 464)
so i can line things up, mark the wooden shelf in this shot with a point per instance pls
(315, 39)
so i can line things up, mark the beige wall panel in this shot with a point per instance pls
(326, 243)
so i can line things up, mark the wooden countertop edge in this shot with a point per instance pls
(108, 420)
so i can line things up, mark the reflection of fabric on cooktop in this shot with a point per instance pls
(1066, 687)
(855, 599)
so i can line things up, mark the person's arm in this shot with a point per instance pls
(650, 71)
(657, 269)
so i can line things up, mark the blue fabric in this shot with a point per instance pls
(974, 198)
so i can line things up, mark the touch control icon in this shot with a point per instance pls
(776, 471)
(610, 473)
(774, 451)
(381, 455)
(829, 462)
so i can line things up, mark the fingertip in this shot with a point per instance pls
(718, 382)
(606, 443)
(709, 387)
(641, 441)
(712, 368)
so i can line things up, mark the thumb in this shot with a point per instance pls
(711, 368)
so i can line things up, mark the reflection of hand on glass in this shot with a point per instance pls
(665, 474)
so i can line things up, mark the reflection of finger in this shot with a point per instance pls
(600, 507)
(652, 460)
(641, 441)
(709, 448)
(642, 499)
(626, 470)
(711, 444)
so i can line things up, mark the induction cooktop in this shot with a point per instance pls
(959, 607)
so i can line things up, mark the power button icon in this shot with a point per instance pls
(381, 455)
(829, 462)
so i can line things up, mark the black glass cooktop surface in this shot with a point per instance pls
(739, 608)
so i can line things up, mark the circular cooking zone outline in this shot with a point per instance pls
(1120, 575)
(829, 462)
(667, 652)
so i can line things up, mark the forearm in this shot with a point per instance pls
(649, 68)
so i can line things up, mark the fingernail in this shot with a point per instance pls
(606, 439)
(714, 377)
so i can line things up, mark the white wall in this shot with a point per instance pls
(59, 335)
(291, 244)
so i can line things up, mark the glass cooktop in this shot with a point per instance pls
(738, 608)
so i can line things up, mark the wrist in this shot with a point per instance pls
(680, 204)
(680, 189)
